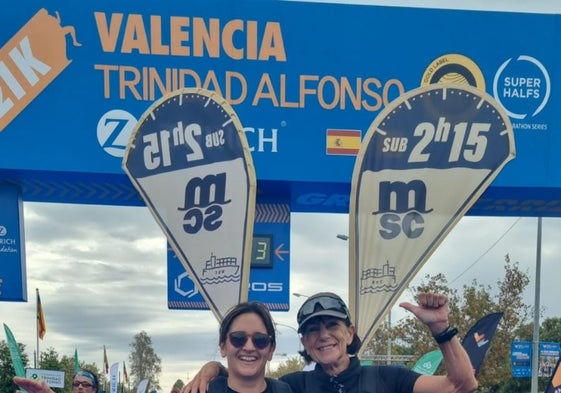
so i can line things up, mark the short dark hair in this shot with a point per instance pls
(257, 308)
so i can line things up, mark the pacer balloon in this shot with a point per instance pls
(424, 161)
(189, 159)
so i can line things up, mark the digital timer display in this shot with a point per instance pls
(262, 251)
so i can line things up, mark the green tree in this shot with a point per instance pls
(410, 336)
(290, 365)
(145, 363)
(7, 371)
(550, 330)
(49, 359)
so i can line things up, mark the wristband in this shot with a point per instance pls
(445, 335)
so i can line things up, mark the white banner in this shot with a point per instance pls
(423, 163)
(114, 378)
(142, 386)
(190, 161)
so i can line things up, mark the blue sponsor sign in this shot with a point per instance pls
(521, 359)
(269, 278)
(13, 279)
(549, 355)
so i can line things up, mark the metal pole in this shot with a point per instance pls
(536, 337)
(38, 358)
(389, 360)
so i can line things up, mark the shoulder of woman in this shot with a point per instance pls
(218, 384)
(279, 386)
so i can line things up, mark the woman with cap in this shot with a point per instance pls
(85, 381)
(247, 341)
(329, 338)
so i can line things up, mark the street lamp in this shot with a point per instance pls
(299, 294)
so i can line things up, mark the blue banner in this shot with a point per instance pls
(306, 92)
(269, 276)
(549, 355)
(13, 276)
(521, 359)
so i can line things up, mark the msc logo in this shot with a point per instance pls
(401, 206)
(454, 68)
(203, 203)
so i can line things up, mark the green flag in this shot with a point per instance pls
(76, 363)
(428, 363)
(14, 353)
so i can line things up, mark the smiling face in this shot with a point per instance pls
(325, 340)
(247, 362)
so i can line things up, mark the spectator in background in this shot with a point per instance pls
(84, 381)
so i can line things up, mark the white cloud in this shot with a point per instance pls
(102, 277)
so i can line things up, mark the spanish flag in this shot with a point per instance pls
(105, 362)
(343, 142)
(41, 324)
(125, 372)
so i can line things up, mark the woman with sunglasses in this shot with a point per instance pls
(85, 381)
(247, 341)
(329, 338)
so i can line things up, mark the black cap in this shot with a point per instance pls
(322, 304)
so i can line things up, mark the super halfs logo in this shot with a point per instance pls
(30, 61)
(522, 86)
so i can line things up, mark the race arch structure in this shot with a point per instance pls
(306, 80)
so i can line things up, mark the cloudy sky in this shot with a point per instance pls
(102, 272)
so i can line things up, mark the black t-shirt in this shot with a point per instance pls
(220, 385)
(389, 379)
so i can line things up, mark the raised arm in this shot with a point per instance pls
(432, 309)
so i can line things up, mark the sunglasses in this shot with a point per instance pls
(84, 384)
(260, 340)
(325, 302)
